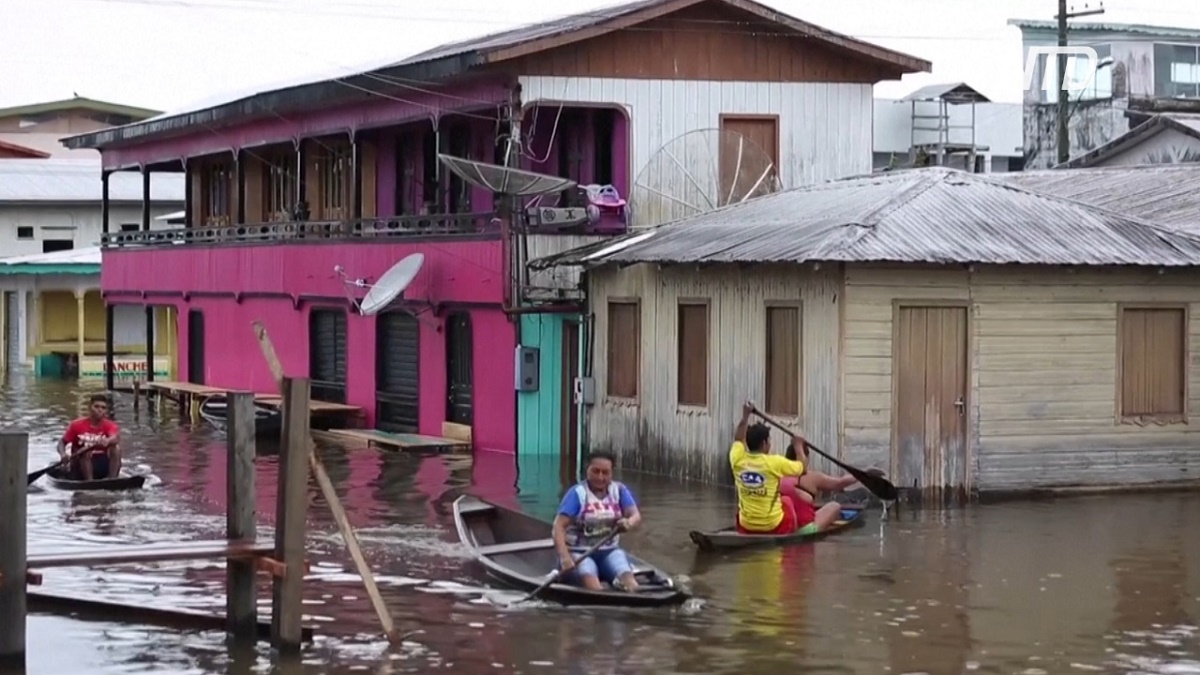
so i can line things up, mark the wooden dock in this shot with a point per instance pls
(189, 397)
(246, 556)
(456, 438)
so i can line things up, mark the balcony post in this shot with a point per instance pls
(357, 173)
(188, 203)
(239, 172)
(104, 182)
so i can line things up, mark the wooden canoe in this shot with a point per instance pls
(268, 421)
(58, 478)
(730, 539)
(517, 549)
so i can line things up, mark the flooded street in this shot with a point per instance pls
(1089, 585)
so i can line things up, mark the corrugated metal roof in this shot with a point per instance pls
(457, 58)
(1107, 27)
(78, 180)
(931, 215)
(48, 143)
(1167, 194)
(953, 92)
(1186, 124)
(78, 256)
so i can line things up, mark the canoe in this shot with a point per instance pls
(730, 539)
(517, 549)
(58, 478)
(268, 421)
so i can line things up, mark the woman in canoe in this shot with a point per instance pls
(589, 513)
(775, 492)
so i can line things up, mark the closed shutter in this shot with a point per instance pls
(327, 354)
(397, 377)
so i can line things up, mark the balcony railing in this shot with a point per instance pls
(349, 230)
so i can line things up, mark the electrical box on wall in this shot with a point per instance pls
(527, 368)
(585, 390)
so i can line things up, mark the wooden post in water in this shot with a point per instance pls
(241, 608)
(291, 509)
(137, 395)
(14, 466)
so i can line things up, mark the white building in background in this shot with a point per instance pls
(49, 205)
(973, 133)
(1143, 70)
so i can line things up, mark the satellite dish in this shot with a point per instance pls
(700, 171)
(504, 180)
(390, 285)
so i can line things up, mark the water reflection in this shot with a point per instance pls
(1107, 585)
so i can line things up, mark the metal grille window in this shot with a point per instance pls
(334, 168)
(279, 188)
(218, 194)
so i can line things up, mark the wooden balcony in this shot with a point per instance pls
(366, 229)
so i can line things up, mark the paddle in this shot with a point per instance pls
(878, 485)
(558, 573)
(42, 472)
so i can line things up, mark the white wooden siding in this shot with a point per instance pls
(1043, 379)
(825, 129)
(655, 434)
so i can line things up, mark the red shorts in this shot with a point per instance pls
(788, 525)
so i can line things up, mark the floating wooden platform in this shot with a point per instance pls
(104, 610)
(314, 407)
(187, 388)
(178, 391)
(391, 441)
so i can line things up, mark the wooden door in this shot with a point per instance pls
(459, 380)
(568, 447)
(327, 354)
(748, 158)
(930, 423)
(195, 348)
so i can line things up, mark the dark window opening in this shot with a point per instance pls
(430, 172)
(52, 245)
(24, 232)
(327, 354)
(459, 197)
(130, 227)
(459, 381)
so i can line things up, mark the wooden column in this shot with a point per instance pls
(356, 171)
(240, 606)
(291, 509)
(149, 308)
(81, 326)
(239, 172)
(14, 455)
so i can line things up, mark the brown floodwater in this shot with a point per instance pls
(1087, 585)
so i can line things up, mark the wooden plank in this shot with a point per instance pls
(314, 407)
(331, 498)
(392, 441)
(241, 610)
(291, 510)
(117, 554)
(14, 457)
(184, 388)
(516, 546)
(458, 432)
(107, 610)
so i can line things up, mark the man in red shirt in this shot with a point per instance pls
(93, 442)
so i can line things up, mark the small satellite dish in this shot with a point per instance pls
(391, 285)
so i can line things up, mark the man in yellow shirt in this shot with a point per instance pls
(767, 504)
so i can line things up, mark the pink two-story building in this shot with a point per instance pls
(286, 184)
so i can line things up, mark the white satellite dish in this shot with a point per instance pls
(390, 285)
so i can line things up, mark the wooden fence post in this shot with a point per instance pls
(241, 609)
(14, 468)
(291, 510)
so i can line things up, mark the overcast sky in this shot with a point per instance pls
(167, 54)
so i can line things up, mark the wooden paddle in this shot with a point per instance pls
(331, 498)
(878, 485)
(558, 573)
(65, 460)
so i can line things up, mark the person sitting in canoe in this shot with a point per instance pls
(93, 443)
(768, 499)
(590, 512)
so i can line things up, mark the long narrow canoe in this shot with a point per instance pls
(268, 421)
(517, 549)
(59, 479)
(730, 539)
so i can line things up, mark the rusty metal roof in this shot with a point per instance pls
(930, 215)
(461, 58)
(1166, 194)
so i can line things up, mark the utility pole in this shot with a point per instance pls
(1064, 96)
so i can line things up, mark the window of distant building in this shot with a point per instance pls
(1099, 76)
(1176, 71)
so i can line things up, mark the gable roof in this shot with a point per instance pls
(23, 150)
(1189, 125)
(459, 58)
(1168, 194)
(931, 215)
(77, 103)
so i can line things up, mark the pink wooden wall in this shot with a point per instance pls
(454, 272)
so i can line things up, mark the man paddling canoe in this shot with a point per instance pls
(93, 443)
(775, 492)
